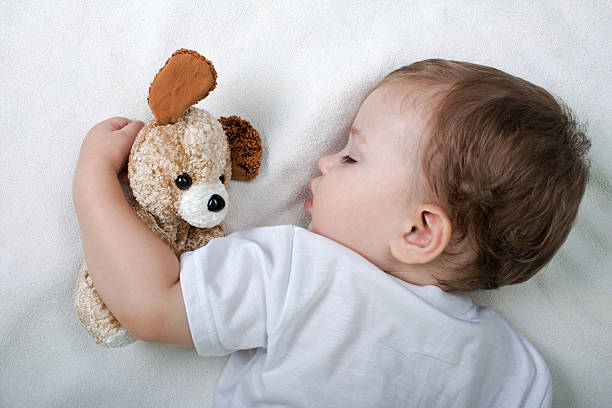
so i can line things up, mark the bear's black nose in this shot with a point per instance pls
(216, 203)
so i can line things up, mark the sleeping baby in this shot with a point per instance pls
(455, 177)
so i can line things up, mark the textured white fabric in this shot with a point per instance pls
(298, 74)
(312, 323)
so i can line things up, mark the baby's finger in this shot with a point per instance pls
(132, 129)
(114, 123)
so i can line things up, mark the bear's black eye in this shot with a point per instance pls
(183, 181)
(222, 179)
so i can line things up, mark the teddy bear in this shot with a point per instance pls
(179, 170)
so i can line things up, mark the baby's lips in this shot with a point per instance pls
(308, 202)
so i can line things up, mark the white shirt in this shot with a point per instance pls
(312, 323)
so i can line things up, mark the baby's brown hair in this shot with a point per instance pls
(507, 163)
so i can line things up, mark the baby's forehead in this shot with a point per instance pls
(404, 109)
(412, 97)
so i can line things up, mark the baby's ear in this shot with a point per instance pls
(425, 235)
(245, 147)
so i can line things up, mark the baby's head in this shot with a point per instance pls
(456, 175)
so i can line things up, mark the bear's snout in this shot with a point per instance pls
(204, 205)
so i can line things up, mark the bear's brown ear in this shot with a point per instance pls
(245, 147)
(186, 78)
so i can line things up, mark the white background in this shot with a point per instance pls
(298, 74)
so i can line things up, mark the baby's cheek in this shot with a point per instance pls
(322, 214)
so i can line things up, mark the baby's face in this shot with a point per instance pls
(367, 189)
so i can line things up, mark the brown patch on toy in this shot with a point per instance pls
(245, 147)
(186, 78)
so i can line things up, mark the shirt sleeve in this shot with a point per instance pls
(234, 288)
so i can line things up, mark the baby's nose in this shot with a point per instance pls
(325, 163)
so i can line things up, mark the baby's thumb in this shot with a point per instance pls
(132, 128)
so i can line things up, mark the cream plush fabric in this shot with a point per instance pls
(298, 74)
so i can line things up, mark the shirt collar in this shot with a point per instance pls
(455, 304)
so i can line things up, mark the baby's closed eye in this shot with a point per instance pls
(348, 159)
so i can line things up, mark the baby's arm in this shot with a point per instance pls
(133, 270)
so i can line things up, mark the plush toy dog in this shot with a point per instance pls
(179, 169)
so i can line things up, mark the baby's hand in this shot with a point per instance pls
(108, 145)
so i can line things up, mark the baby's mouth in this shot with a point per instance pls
(308, 203)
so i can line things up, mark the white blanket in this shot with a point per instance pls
(298, 74)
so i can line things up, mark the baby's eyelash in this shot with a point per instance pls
(347, 159)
